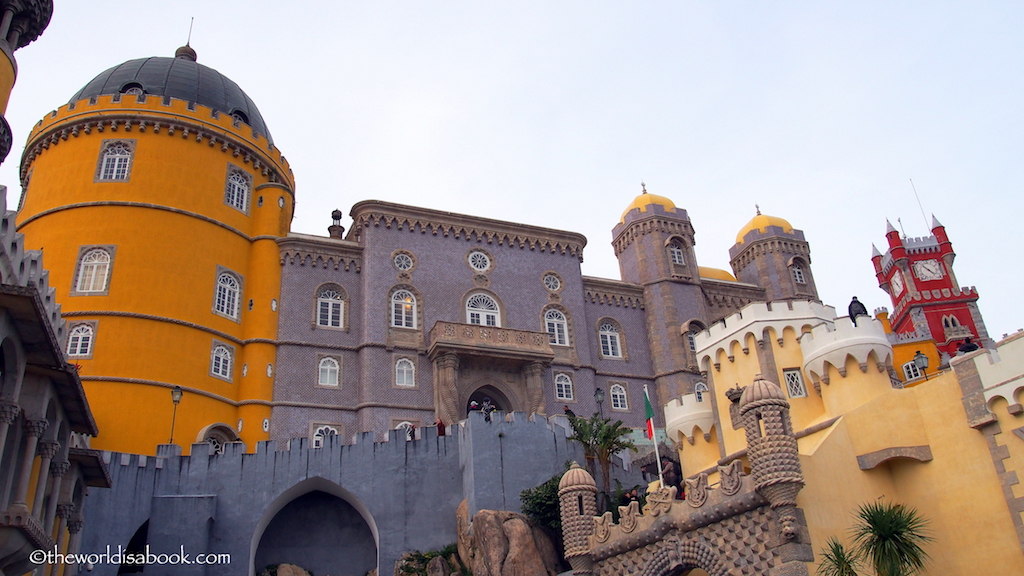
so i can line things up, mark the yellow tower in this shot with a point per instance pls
(158, 196)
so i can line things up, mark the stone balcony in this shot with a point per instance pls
(958, 333)
(474, 340)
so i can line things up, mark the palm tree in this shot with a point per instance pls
(890, 537)
(601, 439)
(836, 560)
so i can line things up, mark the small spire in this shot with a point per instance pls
(643, 187)
(889, 227)
(874, 251)
(935, 222)
(757, 209)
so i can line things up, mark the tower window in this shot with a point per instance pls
(563, 387)
(405, 373)
(556, 326)
(482, 309)
(93, 271)
(699, 389)
(321, 434)
(794, 383)
(228, 294)
(618, 394)
(798, 274)
(221, 361)
(611, 345)
(675, 252)
(330, 369)
(403, 309)
(237, 189)
(330, 306)
(80, 341)
(115, 161)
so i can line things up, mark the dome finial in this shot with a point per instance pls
(757, 209)
(186, 52)
(643, 187)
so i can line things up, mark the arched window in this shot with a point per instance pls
(220, 364)
(93, 270)
(699, 389)
(403, 309)
(691, 342)
(557, 327)
(798, 272)
(228, 293)
(330, 307)
(618, 394)
(80, 341)
(611, 345)
(911, 371)
(409, 427)
(116, 161)
(321, 434)
(482, 309)
(329, 369)
(405, 373)
(676, 254)
(563, 387)
(236, 192)
(950, 322)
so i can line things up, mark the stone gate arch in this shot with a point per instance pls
(501, 394)
(311, 488)
(679, 556)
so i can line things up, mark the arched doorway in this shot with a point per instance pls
(498, 399)
(318, 526)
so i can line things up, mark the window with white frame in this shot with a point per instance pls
(699, 390)
(479, 260)
(911, 371)
(403, 309)
(675, 252)
(330, 307)
(482, 309)
(220, 363)
(321, 434)
(403, 261)
(563, 387)
(116, 161)
(80, 341)
(93, 270)
(405, 373)
(228, 295)
(329, 371)
(611, 345)
(618, 394)
(557, 327)
(798, 273)
(795, 383)
(237, 189)
(691, 341)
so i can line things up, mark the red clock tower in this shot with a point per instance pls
(927, 301)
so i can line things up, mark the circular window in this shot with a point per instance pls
(551, 282)
(403, 262)
(479, 261)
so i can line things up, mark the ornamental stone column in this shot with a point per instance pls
(446, 388)
(64, 512)
(8, 414)
(533, 372)
(57, 472)
(74, 529)
(46, 450)
(577, 502)
(34, 430)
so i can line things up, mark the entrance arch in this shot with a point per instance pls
(683, 557)
(500, 400)
(319, 526)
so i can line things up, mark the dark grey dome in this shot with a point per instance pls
(180, 77)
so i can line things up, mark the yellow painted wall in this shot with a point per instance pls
(156, 325)
(701, 454)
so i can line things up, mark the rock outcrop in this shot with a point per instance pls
(502, 543)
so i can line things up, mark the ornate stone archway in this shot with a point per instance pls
(677, 555)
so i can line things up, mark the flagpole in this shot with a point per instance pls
(654, 437)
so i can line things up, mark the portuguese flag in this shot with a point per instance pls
(650, 414)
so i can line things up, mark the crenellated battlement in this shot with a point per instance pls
(831, 345)
(686, 414)
(754, 319)
(127, 113)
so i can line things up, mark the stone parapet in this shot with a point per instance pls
(757, 317)
(686, 414)
(830, 345)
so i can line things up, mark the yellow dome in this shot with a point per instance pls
(644, 200)
(715, 274)
(761, 222)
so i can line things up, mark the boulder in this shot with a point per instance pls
(438, 566)
(290, 570)
(502, 543)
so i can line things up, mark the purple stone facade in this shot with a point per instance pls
(505, 353)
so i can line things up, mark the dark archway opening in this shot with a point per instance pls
(498, 399)
(320, 533)
(135, 546)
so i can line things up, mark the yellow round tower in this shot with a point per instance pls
(158, 196)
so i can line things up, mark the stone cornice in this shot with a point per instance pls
(463, 227)
(755, 248)
(321, 252)
(642, 227)
(613, 292)
(124, 113)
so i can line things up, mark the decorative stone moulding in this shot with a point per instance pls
(684, 415)
(170, 116)
(826, 346)
(754, 319)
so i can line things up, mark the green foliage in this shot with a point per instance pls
(540, 504)
(890, 537)
(836, 560)
(415, 563)
(601, 439)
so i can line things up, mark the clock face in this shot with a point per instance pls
(928, 269)
(897, 283)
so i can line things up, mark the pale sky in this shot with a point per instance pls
(551, 113)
